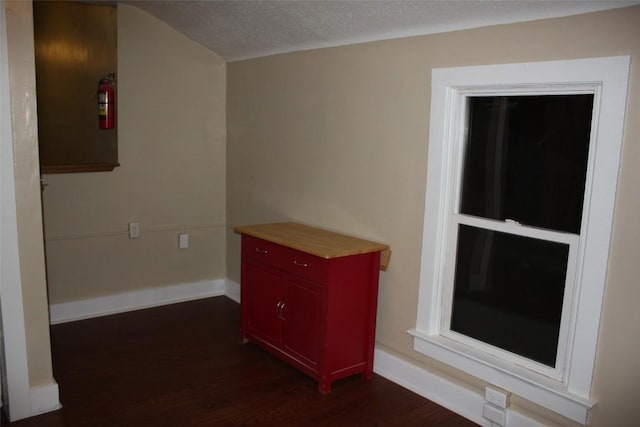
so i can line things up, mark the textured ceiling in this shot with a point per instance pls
(241, 29)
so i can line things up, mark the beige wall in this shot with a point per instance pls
(28, 204)
(338, 138)
(171, 137)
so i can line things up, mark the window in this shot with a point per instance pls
(522, 174)
(523, 164)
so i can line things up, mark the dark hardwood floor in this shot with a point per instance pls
(182, 365)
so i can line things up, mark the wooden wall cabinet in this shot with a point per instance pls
(309, 296)
(75, 47)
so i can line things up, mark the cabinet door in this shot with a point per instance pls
(263, 299)
(302, 321)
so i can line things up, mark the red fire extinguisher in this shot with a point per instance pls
(107, 101)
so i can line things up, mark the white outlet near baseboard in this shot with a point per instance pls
(497, 397)
(183, 240)
(495, 415)
(134, 230)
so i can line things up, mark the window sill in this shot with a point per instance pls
(87, 167)
(531, 386)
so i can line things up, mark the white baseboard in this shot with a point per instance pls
(45, 399)
(450, 395)
(439, 390)
(129, 301)
(232, 290)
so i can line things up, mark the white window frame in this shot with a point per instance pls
(567, 389)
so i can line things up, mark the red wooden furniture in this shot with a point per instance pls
(309, 296)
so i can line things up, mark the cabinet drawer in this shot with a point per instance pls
(290, 260)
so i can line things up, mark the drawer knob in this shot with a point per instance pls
(301, 264)
(262, 251)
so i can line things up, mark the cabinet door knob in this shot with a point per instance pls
(301, 264)
(262, 251)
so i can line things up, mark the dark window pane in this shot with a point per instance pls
(526, 159)
(508, 291)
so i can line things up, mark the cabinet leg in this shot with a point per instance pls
(324, 386)
(243, 337)
(368, 372)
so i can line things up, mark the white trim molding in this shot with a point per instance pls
(567, 392)
(548, 395)
(135, 300)
(45, 399)
(15, 371)
(232, 290)
(437, 389)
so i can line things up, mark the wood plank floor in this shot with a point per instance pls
(182, 365)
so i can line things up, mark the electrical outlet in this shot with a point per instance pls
(183, 241)
(496, 397)
(495, 415)
(134, 230)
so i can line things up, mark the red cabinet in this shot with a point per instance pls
(309, 303)
(281, 311)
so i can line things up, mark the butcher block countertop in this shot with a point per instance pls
(315, 241)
